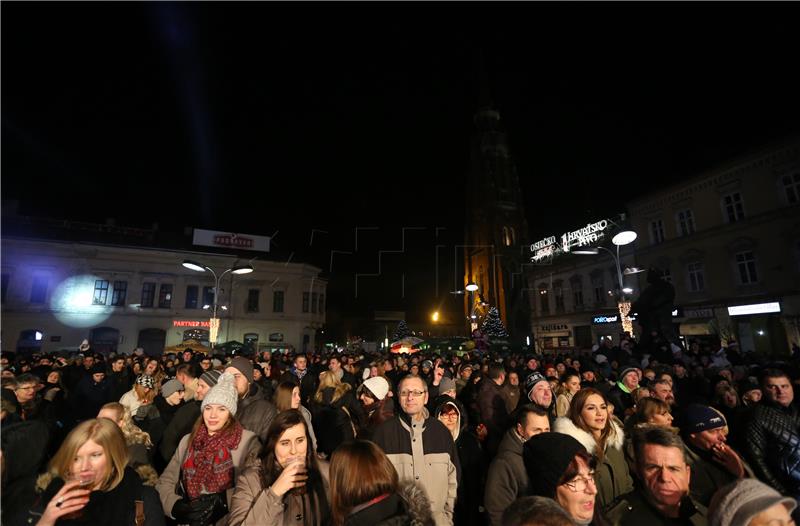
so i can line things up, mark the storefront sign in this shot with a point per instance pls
(190, 323)
(553, 327)
(707, 312)
(755, 308)
(600, 320)
(214, 238)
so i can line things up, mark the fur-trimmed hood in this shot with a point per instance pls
(408, 507)
(564, 425)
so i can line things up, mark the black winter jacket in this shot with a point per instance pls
(772, 446)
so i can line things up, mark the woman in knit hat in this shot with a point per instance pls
(560, 468)
(378, 405)
(750, 502)
(142, 393)
(197, 486)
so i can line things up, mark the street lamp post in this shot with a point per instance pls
(623, 304)
(197, 267)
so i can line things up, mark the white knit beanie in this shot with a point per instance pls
(224, 393)
(737, 503)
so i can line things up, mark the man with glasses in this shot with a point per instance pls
(422, 449)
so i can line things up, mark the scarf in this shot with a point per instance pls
(300, 374)
(208, 467)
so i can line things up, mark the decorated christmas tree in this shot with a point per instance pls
(401, 331)
(493, 326)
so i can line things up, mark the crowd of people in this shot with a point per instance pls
(620, 434)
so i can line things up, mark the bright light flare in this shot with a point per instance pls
(71, 302)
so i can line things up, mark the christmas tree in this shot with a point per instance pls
(401, 331)
(493, 325)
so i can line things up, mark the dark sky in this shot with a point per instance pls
(259, 117)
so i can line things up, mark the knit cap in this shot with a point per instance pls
(699, 418)
(145, 380)
(447, 384)
(378, 386)
(244, 366)
(210, 377)
(627, 369)
(547, 457)
(739, 502)
(532, 380)
(223, 393)
(171, 387)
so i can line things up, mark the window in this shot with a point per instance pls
(191, 296)
(656, 232)
(791, 185)
(39, 289)
(577, 295)
(322, 303)
(148, 294)
(696, 277)
(305, 302)
(313, 302)
(746, 265)
(277, 301)
(208, 296)
(165, 296)
(598, 293)
(508, 236)
(252, 300)
(685, 222)
(119, 294)
(544, 302)
(734, 207)
(558, 291)
(100, 292)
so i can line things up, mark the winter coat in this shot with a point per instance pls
(335, 421)
(24, 446)
(494, 416)
(131, 401)
(772, 446)
(308, 384)
(633, 509)
(409, 506)
(377, 413)
(424, 451)
(622, 401)
(115, 507)
(255, 413)
(707, 475)
(611, 475)
(181, 424)
(563, 402)
(307, 416)
(168, 482)
(507, 479)
(512, 395)
(254, 505)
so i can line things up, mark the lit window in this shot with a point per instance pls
(734, 207)
(165, 296)
(746, 266)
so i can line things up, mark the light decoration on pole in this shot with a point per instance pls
(624, 310)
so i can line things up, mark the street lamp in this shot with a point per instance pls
(197, 267)
(625, 237)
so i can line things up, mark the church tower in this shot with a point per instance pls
(496, 229)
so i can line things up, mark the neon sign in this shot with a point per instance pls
(547, 248)
(190, 323)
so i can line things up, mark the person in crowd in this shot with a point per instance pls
(285, 485)
(336, 414)
(569, 384)
(714, 463)
(31, 406)
(138, 442)
(186, 375)
(91, 393)
(142, 393)
(378, 405)
(649, 411)
(662, 465)
(750, 502)
(492, 406)
(298, 374)
(560, 468)
(590, 423)
(432, 460)
(750, 392)
(620, 394)
(185, 417)
(507, 479)
(205, 364)
(287, 396)
(772, 435)
(55, 392)
(539, 392)
(261, 377)
(471, 458)
(335, 366)
(511, 391)
(119, 378)
(88, 482)
(366, 491)
(662, 389)
(536, 511)
(464, 373)
(154, 418)
(154, 368)
(255, 413)
(197, 486)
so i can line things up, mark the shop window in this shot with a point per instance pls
(733, 207)
(119, 293)
(165, 296)
(148, 294)
(746, 267)
(39, 289)
(685, 220)
(192, 292)
(656, 232)
(696, 281)
(252, 300)
(791, 185)
(277, 301)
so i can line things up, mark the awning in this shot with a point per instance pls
(695, 329)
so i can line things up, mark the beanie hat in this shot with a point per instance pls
(98, 368)
(739, 502)
(244, 366)
(171, 387)
(546, 458)
(427, 364)
(378, 386)
(145, 380)
(447, 384)
(223, 393)
(628, 369)
(700, 418)
(747, 384)
(210, 377)
(532, 380)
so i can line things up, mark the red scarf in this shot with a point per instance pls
(208, 467)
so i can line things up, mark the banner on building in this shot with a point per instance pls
(215, 238)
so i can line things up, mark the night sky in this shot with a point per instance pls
(286, 117)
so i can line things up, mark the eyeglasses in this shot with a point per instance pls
(579, 484)
(412, 394)
(452, 415)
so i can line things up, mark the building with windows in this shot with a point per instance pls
(729, 241)
(120, 296)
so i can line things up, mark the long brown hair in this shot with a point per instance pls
(575, 408)
(283, 396)
(360, 471)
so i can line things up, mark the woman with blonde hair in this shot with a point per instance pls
(142, 393)
(88, 482)
(336, 415)
(287, 396)
(569, 384)
(591, 424)
(365, 490)
(138, 441)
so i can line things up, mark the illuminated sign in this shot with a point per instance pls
(755, 308)
(547, 248)
(600, 320)
(190, 323)
(214, 238)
